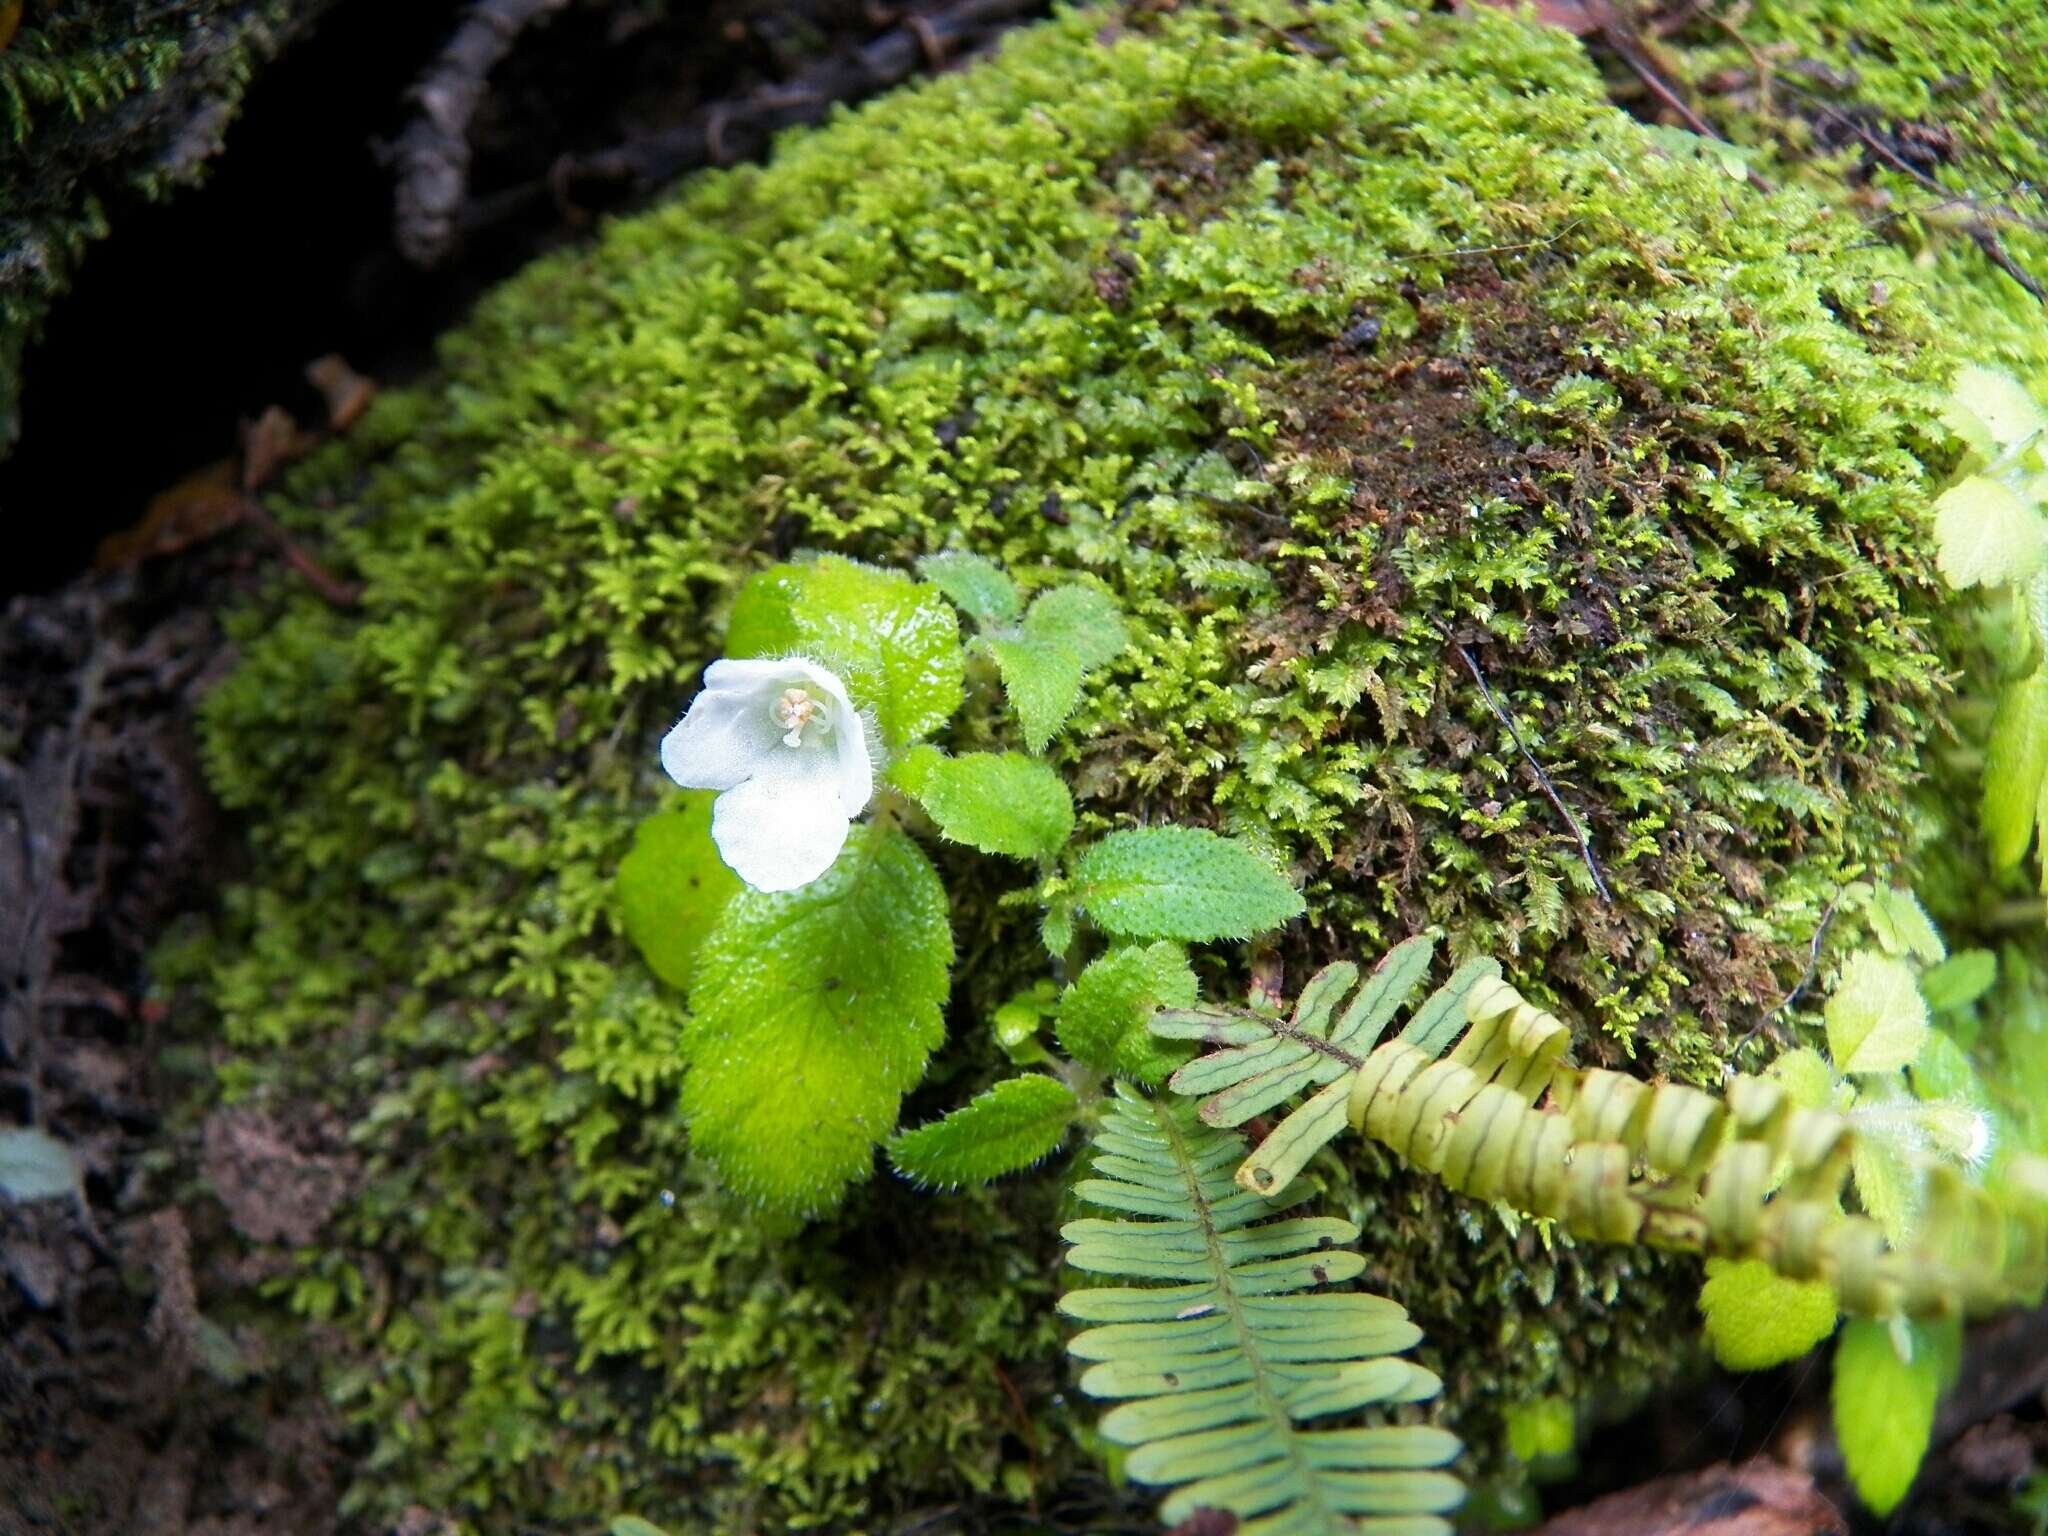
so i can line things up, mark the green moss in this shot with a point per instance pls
(1649, 445)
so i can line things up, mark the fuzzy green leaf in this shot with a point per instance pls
(1884, 1405)
(1903, 927)
(1103, 1017)
(1991, 410)
(1876, 1017)
(998, 802)
(1959, 980)
(1806, 1076)
(894, 642)
(672, 887)
(1083, 620)
(1227, 1347)
(2016, 769)
(1984, 535)
(815, 1011)
(1016, 1023)
(1756, 1318)
(1888, 1184)
(36, 1166)
(1014, 1124)
(979, 588)
(1943, 1073)
(1181, 883)
(1043, 681)
(633, 1525)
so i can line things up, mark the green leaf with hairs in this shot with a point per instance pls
(1042, 679)
(1083, 619)
(2016, 769)
(1984, 534)
(815, 1010)
(1104, 1016)
(1903, 927)
(1884, 1402)
(1876, 1017)
(672, 887)
(1757, 1318)
(1991, 410)
(894, 642)
(1014, 1124)
(1959, 980)
(979, 588)
(998, 802)
(1181, 883)
(1069, 632)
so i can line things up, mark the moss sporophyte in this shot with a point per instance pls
(790, 757)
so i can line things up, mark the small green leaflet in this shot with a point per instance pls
(1984, 535)
(815, 1010)
(998, 802)
(1083, 620)
(633, 1525)
(1069, 632)
(1181, 883)
(672, 886)
(1884, 1405)
(1943, 1073)
(1014, 1124)
(894, 642)
(1043, 681)
(1805, 1075)
(1756, 1318)
(1017, 1022)
(2016, 769)
(1889, 1182)
(979, 588)
(1903, 927)
(1102, 1017)
(1876, 1017)
(1992, 411)
(1959, 980)
(36, 1166)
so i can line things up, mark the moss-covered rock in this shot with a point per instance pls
(1391, 379)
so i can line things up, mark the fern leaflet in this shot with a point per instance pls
(1217, 1367)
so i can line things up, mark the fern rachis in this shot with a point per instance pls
(1217, 1368)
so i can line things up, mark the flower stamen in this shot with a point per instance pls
(793, 710)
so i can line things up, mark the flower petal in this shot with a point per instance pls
(779, 830)
(725, 734)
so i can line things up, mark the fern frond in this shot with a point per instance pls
(1502, 1117)
(1218, 1365)
(1261, 1062)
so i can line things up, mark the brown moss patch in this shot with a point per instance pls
(1453, 478)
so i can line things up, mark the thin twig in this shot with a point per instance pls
(1550, 789)
(924, 40)
(434, 151)
(1820, 937)
(1978, 229)
(1486, 250)
(322, 580)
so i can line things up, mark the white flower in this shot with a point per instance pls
(789, 752)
